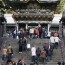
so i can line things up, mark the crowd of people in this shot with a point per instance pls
(31, 33)
(20, 62)
(37, 54)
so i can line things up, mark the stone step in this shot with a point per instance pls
(56, 60)
(57, 57)
(51, 63)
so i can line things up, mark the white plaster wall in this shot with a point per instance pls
(9, 19)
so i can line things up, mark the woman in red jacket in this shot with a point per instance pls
(37, 32)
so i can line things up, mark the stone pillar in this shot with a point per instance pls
(4, 27)
(1, 30)
(60, 29)
(17, 28)
(26, 26)
(48, 30)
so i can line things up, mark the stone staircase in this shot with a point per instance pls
(57, 56)
(26, 55)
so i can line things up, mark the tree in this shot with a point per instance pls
(61, 6)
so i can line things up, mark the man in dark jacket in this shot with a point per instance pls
(40, 31)
(38, 51)
(20, 45)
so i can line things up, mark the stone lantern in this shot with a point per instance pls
(2, 24)
(62, 25)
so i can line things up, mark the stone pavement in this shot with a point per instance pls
(27, 55)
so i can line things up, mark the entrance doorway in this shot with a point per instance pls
(43, 25)
(10, 28)
(32, 24)
(22, 25)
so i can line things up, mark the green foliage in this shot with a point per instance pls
(59, 9)
(61, 6)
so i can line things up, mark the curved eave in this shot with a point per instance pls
(48, 1)
(34, 1)
(19, 1)
(35, 17)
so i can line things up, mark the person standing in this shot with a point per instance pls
(33, 53)
(20, 45)
(56, 41)
(14, 34)
(24, 43)
(4, 54)
(43, 55)
(9, 51)
(38, 52)
(31, 32)
(52, 41)
(40, 31)
(37, 33)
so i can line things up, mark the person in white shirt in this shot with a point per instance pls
(31, 31)
(52, 40)
(56, 41)
(33, 53)
(52, 43)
